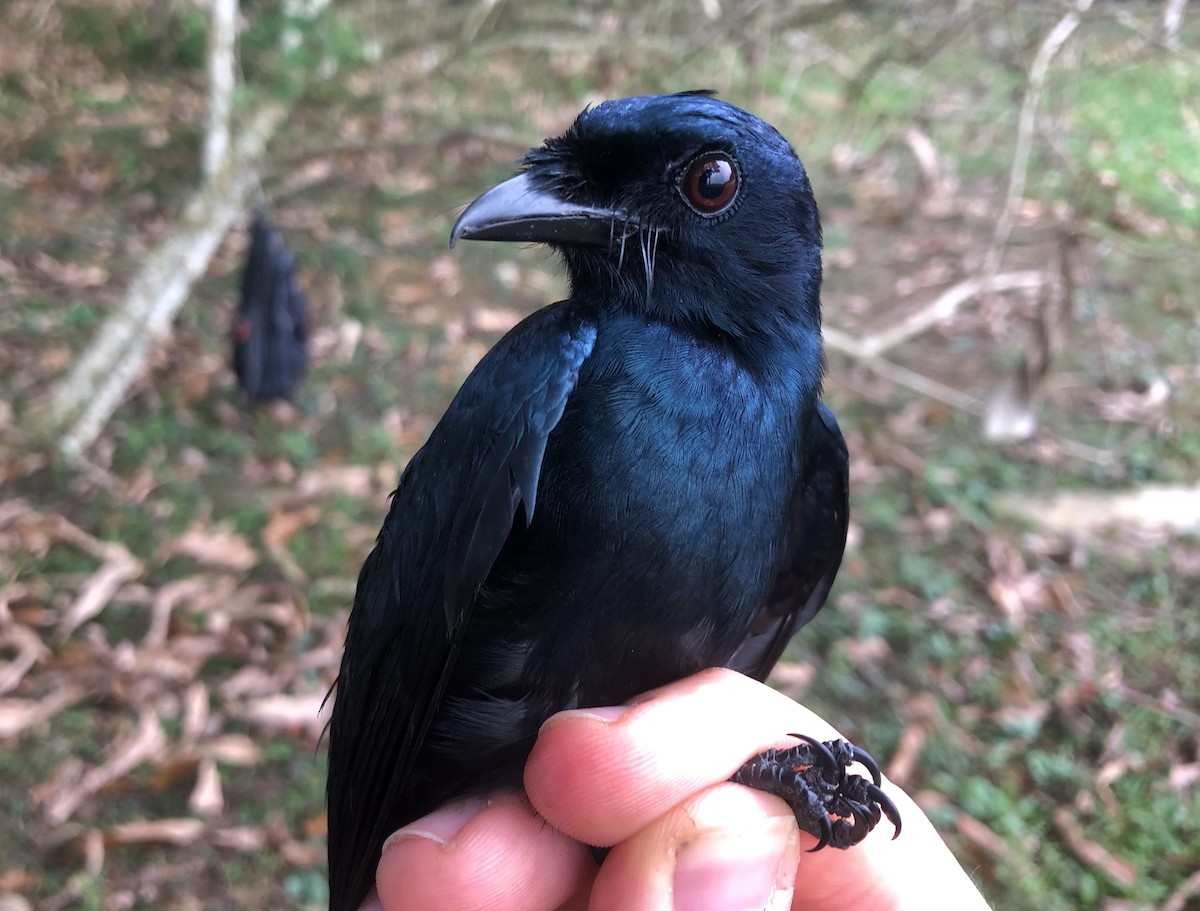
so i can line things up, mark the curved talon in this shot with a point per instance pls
(886, 806)
(826, 835)
(831, 762)
(862, 756)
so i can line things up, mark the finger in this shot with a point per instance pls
(601, 775)
(727, 848)
(475, 854)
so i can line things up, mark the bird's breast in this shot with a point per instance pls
(670, 476)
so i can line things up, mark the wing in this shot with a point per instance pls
(817, 540)
(449, 518)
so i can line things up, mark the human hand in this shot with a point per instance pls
(650, 780)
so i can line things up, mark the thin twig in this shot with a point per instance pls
(942, 307)
(1050, 47)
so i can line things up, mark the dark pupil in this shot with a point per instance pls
(714, 178)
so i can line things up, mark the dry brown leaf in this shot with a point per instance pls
(232, 749)
(1178, 900)
(29, 647)
(317, 826)
(246, 839)
(1092, 853)
(168, 773)
(69, 274)
(18, 715)
(99, 589)
(193, 588)
(217, 546)
(17, 878)
(300, 712)
(791, 677)
(147, 742)
(93, 852)
(249, 681)
(180, 831)
(195, 713)
(980, 835)
(207, 798)
(1109, 773)
(68, 774)
(921, 713)
(302, 854)
(279, 531)
(348, 480)
(494, 319)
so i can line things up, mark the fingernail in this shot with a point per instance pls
(605, 713)
(737, 871)
(441, 825)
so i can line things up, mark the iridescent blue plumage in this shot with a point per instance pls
(634, 484)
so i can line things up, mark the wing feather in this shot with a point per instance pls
(814, 548)
(449, 518)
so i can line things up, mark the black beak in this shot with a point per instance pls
(518, 210)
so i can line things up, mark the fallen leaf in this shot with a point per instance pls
(206, 798)
(98, 591)
(215, 547)
(1093, 853)
(18, 715)
(301, 712)
(69, 274)
(181, 831)
(147, 742)
(232, 749)
(280, 529)
(245, 839)
(29, 648)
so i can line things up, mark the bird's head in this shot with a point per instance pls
(683, 207)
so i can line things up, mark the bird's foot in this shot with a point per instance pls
(838, 808)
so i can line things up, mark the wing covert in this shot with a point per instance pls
(814, 548)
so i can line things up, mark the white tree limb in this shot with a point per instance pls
(1172, 20)
(222, 35)
(83, 401)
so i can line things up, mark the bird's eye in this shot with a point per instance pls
(710, 183)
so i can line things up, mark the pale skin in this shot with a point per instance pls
(650, 780)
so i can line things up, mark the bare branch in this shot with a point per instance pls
(946, 304)
(1050, 47)
(221, 37)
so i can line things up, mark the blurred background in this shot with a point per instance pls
(1011, 200)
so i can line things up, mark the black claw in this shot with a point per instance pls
(862, 756)
(838, 808)
(826, 835)
(831, 762)
(885, 805)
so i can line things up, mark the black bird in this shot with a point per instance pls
(634, 484)
(270, 333)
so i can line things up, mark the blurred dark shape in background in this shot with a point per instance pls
(270, 334)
